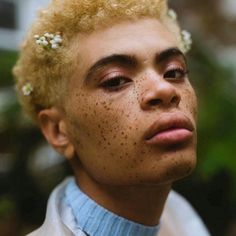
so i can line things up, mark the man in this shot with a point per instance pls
(107, 82)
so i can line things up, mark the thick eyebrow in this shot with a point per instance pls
(170, 52)
(129, 61)
(115, 59)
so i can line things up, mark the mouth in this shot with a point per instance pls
(170, 129)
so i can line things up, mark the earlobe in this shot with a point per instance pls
(54, 129)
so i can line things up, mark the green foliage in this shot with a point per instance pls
(215, 87)
(7, 207)
(7, 60)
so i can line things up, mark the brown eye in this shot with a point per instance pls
(175, 74)
(115, 83)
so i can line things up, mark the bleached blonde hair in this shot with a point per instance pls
(48, 70)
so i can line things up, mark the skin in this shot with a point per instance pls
(101, 127)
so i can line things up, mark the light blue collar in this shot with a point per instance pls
(95, 220)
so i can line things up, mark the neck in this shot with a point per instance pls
(141, 204)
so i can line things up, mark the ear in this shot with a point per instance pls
(53, 126)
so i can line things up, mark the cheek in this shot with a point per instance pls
(189, 102)
(103, 118)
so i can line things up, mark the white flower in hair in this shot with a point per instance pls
(27, 89)
(55, 46)
(172, 14)
(48, 40)
(186, 39)
(57, 39)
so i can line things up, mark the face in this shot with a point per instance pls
(131, 109)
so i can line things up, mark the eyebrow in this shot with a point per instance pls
(115, 59)
(130, 61)
(170, 52)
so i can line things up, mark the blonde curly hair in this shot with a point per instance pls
(47, 70)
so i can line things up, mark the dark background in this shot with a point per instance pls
(29, 169)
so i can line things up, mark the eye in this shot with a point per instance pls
(115, 83)
(175, 74)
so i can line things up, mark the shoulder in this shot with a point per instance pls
(179, 218)
(53, 224)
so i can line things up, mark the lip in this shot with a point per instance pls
(170, 128)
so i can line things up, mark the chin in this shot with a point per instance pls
(173, 166)
(180, 167)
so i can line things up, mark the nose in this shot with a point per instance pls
(158, 92)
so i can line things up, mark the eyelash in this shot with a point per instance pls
(118, 82)
(114, 84)
(169, 74)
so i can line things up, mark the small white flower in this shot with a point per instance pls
(45, 43)
(186, 39)
(57, 39)
(47, 35)
(51, 36)
(27, 89)
(38, 42)
(48, 40)
(172, 14)
(55, 46)
(42, 38)
(186, 35)
(52, 41)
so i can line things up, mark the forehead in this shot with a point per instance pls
(137, 38)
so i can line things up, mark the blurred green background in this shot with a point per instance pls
(29, 168)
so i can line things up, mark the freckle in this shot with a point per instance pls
(122, 144)
(131, 177)
(135, 144)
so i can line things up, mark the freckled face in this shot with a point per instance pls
(131, 109)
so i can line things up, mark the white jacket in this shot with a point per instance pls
(178, 218)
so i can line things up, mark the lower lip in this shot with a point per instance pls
(171, 137)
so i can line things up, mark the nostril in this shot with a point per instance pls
(175, 100)
(154, 102)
